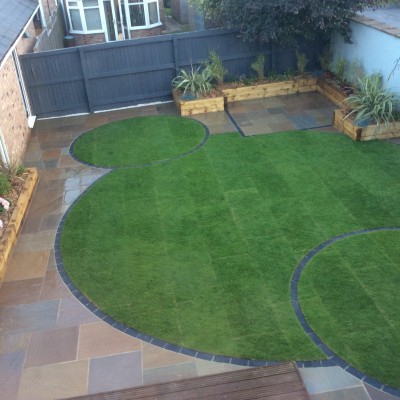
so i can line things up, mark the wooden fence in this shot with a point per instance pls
(139, 71)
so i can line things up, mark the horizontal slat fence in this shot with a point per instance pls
(139, 71)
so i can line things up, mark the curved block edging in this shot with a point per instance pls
(13, 228)
(149, 164)
(333, 358)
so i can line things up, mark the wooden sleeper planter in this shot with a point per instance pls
(264, 90)
(329, 91)
(369, 132)
(14, 225)
(198, 106)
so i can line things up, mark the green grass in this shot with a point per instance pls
(349, 294)
(138, 141)
(200, 251)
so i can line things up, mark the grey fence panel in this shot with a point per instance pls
(54, 82)
(139, 71)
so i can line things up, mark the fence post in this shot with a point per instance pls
(84, 66)
(176, 53)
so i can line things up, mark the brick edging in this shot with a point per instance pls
(13, 228)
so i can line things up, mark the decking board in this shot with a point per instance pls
(278, 382)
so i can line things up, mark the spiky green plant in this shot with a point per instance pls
(258, 66)
(372, 102)
(195, 81)
(325, 58)
(302, 61)
(216, 66)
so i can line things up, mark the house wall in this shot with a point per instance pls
(25, 45)
(141, 33)
(93, 38)
(49, 7)
(13, 119)
(179, 11)
(53, 36)
(376, 50)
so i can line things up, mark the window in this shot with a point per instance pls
(142, 13)
(84, 16)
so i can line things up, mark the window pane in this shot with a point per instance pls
(153, 13)
(137, 15)
(73, 4)
(90, 3)
(93, 21)
(75, 20)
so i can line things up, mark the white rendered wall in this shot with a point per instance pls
(376, 51)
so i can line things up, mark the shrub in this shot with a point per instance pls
(339, 68)
(5, 185)
(195, 81)
(216, 67)
(372, 102)
(302, 62)
(325, 59)
(258, 66)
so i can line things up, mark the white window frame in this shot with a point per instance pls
(81, 10)
(145, 3)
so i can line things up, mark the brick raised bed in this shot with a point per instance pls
(369, 132)
(13, 228)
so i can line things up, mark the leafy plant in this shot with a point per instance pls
(339, 68)
(325, 59)
(372, 102)
(258, 66)
(195, 81)
(12, 170)
(5, 184)
(356, 71)
(302, 61)
(216, 67)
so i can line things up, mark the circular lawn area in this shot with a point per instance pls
(139, 141)
(200, 251)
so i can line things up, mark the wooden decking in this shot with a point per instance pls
(278, 382)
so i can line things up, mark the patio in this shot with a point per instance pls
(51, 346)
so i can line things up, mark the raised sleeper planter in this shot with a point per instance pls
(13, 228)
(198, 106)
(300, 85)
(369, 132)
(329, 91)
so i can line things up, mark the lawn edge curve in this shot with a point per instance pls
(333, 358)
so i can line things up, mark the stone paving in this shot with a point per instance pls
(51, 347)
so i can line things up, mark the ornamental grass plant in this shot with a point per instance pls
(372, 102)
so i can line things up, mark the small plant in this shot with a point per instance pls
(356, 71)
(12, 170)
(325, 59)
(194, 82)
(339, 68)
(372, 102)
(302, 61)
(5, 185)
(216, 67)
(258, 66)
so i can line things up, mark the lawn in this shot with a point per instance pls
(200, 251)
(351, 288)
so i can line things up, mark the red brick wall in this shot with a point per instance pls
(89, 38)
(25, 45)
(139, 33)
(13, 120)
